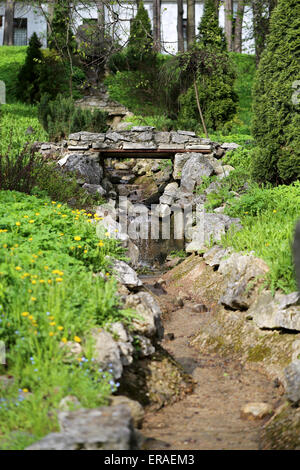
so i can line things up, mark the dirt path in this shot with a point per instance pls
(209, 418)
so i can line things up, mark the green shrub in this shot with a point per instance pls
(215, 81)
(268, 217)
(12, 58)
(53, 75)
(28, 89)
(276, 120)
(61, 117)
(19, 172)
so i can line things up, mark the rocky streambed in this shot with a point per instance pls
(211, 361)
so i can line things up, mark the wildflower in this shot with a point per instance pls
(53, 202)
(33, 299)
(77, 238)
(51, 333)
(52, 323)
(107, 274)
(30, 317)
(274, 211)
(18, 224)
(85, 251)
(33, 282)
(64, 340)
(101, 243)
(25, 390)
(41, 281)
(60, 328)
(107, 234)
(37, 213)
(49, 281)
(30, 239)
(64, 215)
(26, 217)
(31, 221)
(59, 279)
(25, 314)
(77, 339)
(18, 268)
(59, 206)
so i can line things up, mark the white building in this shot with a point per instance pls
(29, 19)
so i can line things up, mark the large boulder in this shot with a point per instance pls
(125, 274)
(86, 168)
(278, 312)
(195, 169)
(243, 274)
(107, 352)
(105, 428)
(149, 322)
(210, 227)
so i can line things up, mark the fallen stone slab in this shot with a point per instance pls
(292, 377)
(105, 428)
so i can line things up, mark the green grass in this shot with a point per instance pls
(48, 296)
(268, 216)
(11, 60)
(15, 119)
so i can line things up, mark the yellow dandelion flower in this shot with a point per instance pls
(59, 279)
(52, 323)
(18, 268)
(37, 213)
(41, 281)
(33, 299)
(101, 243)
(30, 317)
(26, 217)
(64, 340)
(25, 390)
(77, 238)
(53, 202)
(107, 234)
(25, 314)
(58, 205)
(51, 333)
(60, 328)
(33, 282)
(49, 281)
(31, 221)
(85, 251)
(77, 339)
(274, 211)
(30, 239)
(18, 224)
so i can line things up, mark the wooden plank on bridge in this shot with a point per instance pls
(147, 153)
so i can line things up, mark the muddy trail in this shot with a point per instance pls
(210, 417)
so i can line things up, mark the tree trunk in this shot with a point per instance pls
(199, 109)
(101, 20)
(190, 22)
(8, 35)
(180, 25)
(157, 25)
(228, 8)
(238, 27)
(260, 27)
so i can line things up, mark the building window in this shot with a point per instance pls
(1, 21)
(20, 31)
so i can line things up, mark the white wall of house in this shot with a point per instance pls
(36, 22)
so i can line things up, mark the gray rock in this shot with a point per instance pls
(94, 189)
(281, 311)
(146, 348)
(193, 172)
(197, 147)
(179, 162)
(142, 128)
(105, 428)
(211, 227)
(144, 136)
(169, 194)
(125, 274)
(229, 146)
(85, 167)
(214, 256)
(124, 341)
(80, 147)
(243, 274)
(162, 137)
(187, 133)
(76, 136)
(139, 146)
(136, 409)
(91, 136)
(292, 377)
(179, 138)
(116, 137)
(149, 322)
(107, 352)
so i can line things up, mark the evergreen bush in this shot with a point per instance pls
(28, 89)
(276, 121)
(60, 117)
(215, 81)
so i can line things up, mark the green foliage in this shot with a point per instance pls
(53, 75)
(19, 172)
(15, 119)
(48, 296)
(160, 122)
(214, 74)
(61, 117)
(61, 37)
(12, 58)
(240, 159)
(28, 89)
(276, 120)
(268, 217)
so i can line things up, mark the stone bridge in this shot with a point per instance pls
(138, 142)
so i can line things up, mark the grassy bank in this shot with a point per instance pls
(49, 300)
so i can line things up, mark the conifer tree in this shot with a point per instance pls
(140, 44)
(28, 89)
(276, 104)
